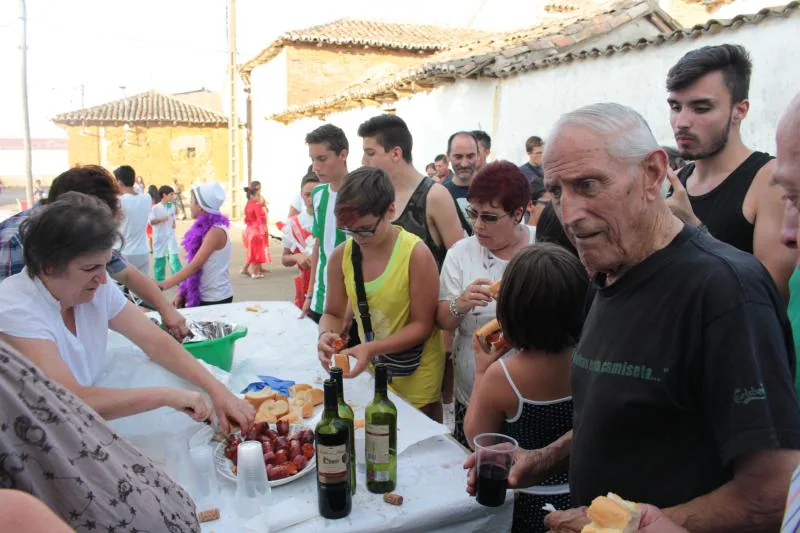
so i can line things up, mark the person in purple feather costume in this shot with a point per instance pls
(206, 279)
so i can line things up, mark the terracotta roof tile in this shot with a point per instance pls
(447, 66)
(347, 32)
(150, 108)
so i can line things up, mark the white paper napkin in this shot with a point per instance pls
(288, 513)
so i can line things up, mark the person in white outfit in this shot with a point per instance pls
(206, 278)
(135, 214)
(165, 244)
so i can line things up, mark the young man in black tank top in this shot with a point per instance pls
(727, 189)
(425, 208)
(387, 146)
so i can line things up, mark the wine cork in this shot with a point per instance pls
(209, 515)
(392, 498)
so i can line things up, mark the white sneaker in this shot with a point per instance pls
(449, 418)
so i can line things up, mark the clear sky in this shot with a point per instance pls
(94, 51)
(100, 50)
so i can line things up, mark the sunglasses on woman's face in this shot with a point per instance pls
(489, 218)
(363, 232)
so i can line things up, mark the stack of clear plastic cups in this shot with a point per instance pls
(252, 487)
(204, 486)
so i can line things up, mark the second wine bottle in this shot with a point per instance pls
(380, 418)
(346, 414)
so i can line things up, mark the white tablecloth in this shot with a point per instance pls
(430, 474)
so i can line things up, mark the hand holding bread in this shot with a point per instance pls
(612, 514)
(477, 294)
(229, 409)
(489, 345)
(363, 356)
(329, 343)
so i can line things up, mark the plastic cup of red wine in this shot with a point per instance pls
(495, 454)
(252, 486)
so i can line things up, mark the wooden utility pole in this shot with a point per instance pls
(233, 120)
(26, 142)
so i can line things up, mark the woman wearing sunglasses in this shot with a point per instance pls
(400, 282)
(498, 196)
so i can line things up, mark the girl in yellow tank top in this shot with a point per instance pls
(401, 284)
(389, 299)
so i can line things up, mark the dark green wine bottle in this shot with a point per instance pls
(333, 459)
(346, 414)
(380, 419)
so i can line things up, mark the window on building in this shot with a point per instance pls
(190, 152)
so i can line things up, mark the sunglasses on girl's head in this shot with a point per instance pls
(360, 232)
(489, 218)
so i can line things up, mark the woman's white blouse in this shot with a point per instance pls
(28, 310)
(465, 262)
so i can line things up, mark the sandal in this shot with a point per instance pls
(256, 276)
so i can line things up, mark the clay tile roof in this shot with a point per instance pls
(535, 48)
(344, 32)
(150, 108)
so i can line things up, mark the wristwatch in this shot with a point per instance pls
(308, 296)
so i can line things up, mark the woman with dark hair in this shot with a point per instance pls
(399, 279)
(498, 196)
(59, 309)
(527, 395)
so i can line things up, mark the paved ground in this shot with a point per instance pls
(277, 285)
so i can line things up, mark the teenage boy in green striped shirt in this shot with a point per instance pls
(327, 148)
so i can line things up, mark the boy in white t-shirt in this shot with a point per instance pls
(136, 212)
(165, 244)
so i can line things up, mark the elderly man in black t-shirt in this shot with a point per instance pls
(683, 377)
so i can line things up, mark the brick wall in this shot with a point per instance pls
(159, 154)
(83, 145)
(316, 72)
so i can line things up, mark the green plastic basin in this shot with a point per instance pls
(217, 352)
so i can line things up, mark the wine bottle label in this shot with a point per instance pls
(377, 475)
(377, 442)
(332, 464)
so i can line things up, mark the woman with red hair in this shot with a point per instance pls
(498, 196)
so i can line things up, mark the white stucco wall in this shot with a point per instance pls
(534, 101)
(45, 164)
(529, 104)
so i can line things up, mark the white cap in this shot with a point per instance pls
(210, 196)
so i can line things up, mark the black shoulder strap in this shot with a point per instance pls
(684, 173)
(361, 293)
(461, 218)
